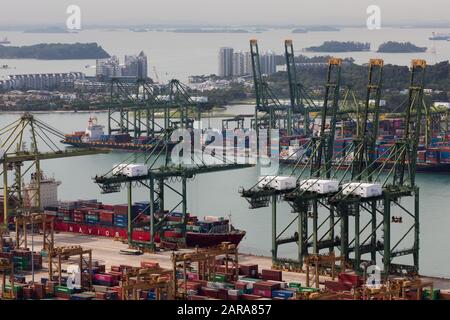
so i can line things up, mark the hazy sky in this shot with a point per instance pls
(22, 12)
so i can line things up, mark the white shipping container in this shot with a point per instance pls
(283, 183)
(265, 181)
(307, 185)
(118, 169)
(326, 186)
(130, 170)
(320, 186)
(349, 188)
(369, 190)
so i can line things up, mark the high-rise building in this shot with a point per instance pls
(268, 63)
(226, 62)
(248, 69)
(133, 67)
(142, 71)
(238, 64)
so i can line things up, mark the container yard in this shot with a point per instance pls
(291, 174)
(232, 276)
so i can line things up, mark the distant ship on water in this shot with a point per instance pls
(440, 36)
(5, 41)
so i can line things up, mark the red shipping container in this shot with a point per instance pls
(223, 294)
(249, 297)
(173, 234)
(104, 277)
(274, 275)
(336, 286)
(27, 293)
(350, 278)
(196, 297)
(444, 295)
(115, 268)
(209, 292)
(202, 282)
(240, 285)
(121, 209)
(100, 296)
(263, 285)
(149, 264)
(249, 270)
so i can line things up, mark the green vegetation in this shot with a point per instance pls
(54, 51)
(400, 47)
(336, 46)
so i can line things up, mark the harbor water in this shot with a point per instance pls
(179, 55)
(217, 194)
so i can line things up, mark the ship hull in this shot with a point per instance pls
(203, 240)
(116, 146)
(193, 239)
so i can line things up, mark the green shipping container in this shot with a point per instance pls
(62, 289)
(17, 288)
(435, 296)
(295, 285)
(307, 290)
(220, 278)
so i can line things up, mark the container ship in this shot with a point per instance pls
(434, 157)
(94, 137)
(91, 217)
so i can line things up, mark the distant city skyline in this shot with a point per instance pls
(230, 12)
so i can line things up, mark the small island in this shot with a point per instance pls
(336, 46)
(200, 30)
(322, 29)
(400, 47)
(55, 51)
(48, 30)
(300, 30)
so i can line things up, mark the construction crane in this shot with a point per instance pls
(16, 154)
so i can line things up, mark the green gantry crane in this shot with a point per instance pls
(15, 155)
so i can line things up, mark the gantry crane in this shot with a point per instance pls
(178, 107)
(144, 101)
(318, 155)
(363, 149)
(398, 185)
(15, 154)
(301, 101)
(270, 112)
